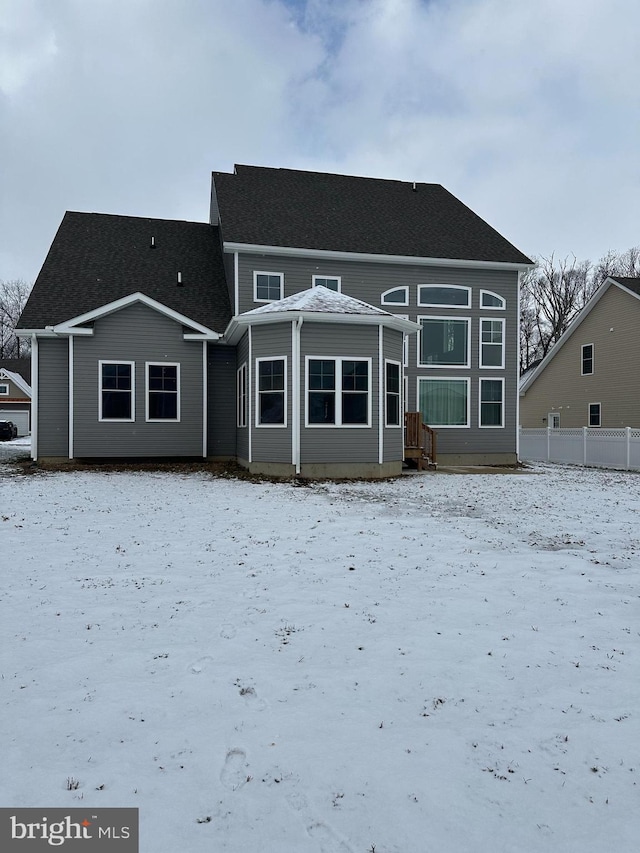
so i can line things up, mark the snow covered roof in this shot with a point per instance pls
(321, 300)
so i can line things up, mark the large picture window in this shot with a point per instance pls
(444, 296)
(115, 399)
(492, 402)
(491, 343)
(444, 402)
(338, 392)
(163, 392)
(268, 286)
(392, 393)
(444, 342)
(271, 408)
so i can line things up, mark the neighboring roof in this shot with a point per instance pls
(17, 380)
(18, 365)
(313, 210)
(632, 285)
(317, 305)
(97, 258)
(318, 299)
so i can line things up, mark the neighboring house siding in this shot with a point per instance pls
(393, 437)
(138, 334)
(15, 393)
(612, 328)
(221, 403)
(340, 444)
(242, 433)
(271, 444)
(367, 280)
(53, 397)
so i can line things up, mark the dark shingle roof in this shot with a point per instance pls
(630, 283)
(96, 258)
(313, 210)
(21, 366)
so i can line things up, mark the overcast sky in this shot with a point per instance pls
(527, 110)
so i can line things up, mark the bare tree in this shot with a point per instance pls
(618, 263)
(13, 296)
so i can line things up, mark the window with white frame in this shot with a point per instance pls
(491, 404)
(4, 389)
(163, 391)
(333, 282)
(553, 420)
(392, 404)
(268, 286)
(489, 299)
(587, 359)
(444, 296)
(595, 415)
(271, 393)
(241, 395)
(116, 390)
(444, 402)
(395, 296)
(491, 343)
(444, 342)
(338, 392)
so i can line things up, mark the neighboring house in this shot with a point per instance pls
(283, 333)
(15, 393)
(591, 376)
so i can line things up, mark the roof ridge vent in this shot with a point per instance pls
(414, 187)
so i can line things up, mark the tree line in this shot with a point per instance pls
(551, 295)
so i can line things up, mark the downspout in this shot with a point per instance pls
(296, 395)
(205, 399)
(70, 396)
(34, 397)
(380, 395)
(250, 396)
(517, 390)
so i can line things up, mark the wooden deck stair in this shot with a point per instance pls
(419, 441)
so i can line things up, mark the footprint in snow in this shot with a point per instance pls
(201, 664)
(234, 771)
(330, 842)
(227, 632)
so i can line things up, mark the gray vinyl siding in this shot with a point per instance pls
(339, 444)
(612, 328)
(53, 397)
(271, 444)
(138, 334)
(242, 433)
(221, 400)
(393, 437)
(367, 280)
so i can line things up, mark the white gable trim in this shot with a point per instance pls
(16, 379)
(531, 377)
(70, 327)
(290, 251)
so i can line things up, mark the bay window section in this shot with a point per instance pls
(338, 392)
(271, 409)
(115, 399)
(444, 342)
(163, 392)
(491, 402)
(444, 402)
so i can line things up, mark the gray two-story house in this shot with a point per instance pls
(291, 333)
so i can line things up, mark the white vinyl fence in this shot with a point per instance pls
(601, 448)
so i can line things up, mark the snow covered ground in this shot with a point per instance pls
(440, 663)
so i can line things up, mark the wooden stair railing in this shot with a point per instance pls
(419, 441)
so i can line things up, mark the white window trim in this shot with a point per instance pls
(467, 320)
(338, 359)
(147, 365)
(242, 399)
(465, 379)
(490, 379)
(4, 389)
(599, 424)
(383, 296)
(493, 307)
(256, 273)
(257, 390)
(337, 278)
(447, 305)
(554, 416)
(593, 359)
(399, 395)
(500, 366)
(132, 392)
